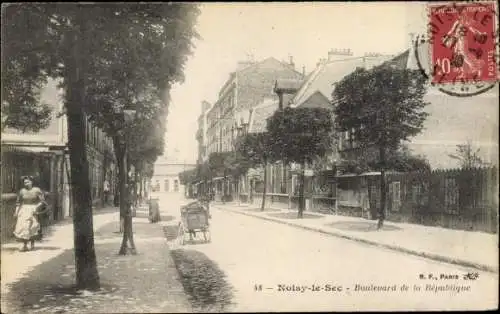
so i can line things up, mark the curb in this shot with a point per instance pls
(432, 256)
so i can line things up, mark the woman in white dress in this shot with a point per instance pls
(29, 201)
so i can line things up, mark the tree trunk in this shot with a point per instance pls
(136, 178)
(87, 276)
(141, 187)
(250, 192)
(302, 191)
(381, 213)
(264, 193)
(125, 208)
(238, 189)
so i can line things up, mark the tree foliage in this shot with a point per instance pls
(381, 107)
(300, 134)
(224, 164)
(467, 156)
(400, 160)
(110, 57)
(24, 68)
(188, 176)
(255, 148)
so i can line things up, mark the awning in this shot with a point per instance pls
(217, 179)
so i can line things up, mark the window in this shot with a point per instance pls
(167, 187)
(176, 185)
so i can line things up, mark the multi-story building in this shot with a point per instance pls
(201, 133)
(247, 87)
(44, 155)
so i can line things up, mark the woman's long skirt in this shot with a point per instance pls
(27, 226)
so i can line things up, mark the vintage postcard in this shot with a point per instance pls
(249, 157)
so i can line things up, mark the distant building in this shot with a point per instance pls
(249, 85)
(246, 87)
(166, 176)
(201, 133)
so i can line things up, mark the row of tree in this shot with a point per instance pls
(109, 58)
(380, 108)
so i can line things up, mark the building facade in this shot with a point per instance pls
(165, 178)
(201, 133)
(44, 155)
(248, 86)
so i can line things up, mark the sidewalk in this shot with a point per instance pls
(470, 249)
(42, 281)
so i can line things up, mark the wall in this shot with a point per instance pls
(256, 83)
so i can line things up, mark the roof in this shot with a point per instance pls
(330, 72)
(317, 99)
(259, 115)
(401, 60)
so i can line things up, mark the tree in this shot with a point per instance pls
(255, 149)
(136, 72)
(381, 108)
(187, 176)
(300, 135)
(23, 69)
(468, 156)
(101, 77)
(226, 164)
(401, 160)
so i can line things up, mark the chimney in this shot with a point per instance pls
(335, 53)
(291, 62)
(304, 70)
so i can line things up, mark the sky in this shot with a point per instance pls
(231, 32)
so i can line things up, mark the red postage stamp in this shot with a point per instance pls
(464, 40)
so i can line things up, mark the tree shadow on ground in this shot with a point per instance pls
(49, 287)
(361, 226)
(266, 210)
(143, 283)
(162, 217)
(144, 228)
(203, 281)
(293, 215)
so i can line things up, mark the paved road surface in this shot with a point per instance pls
(256, 252)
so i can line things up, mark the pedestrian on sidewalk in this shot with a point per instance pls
(106, 189)
(29, 201)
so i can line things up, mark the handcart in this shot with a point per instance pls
(194, 220)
